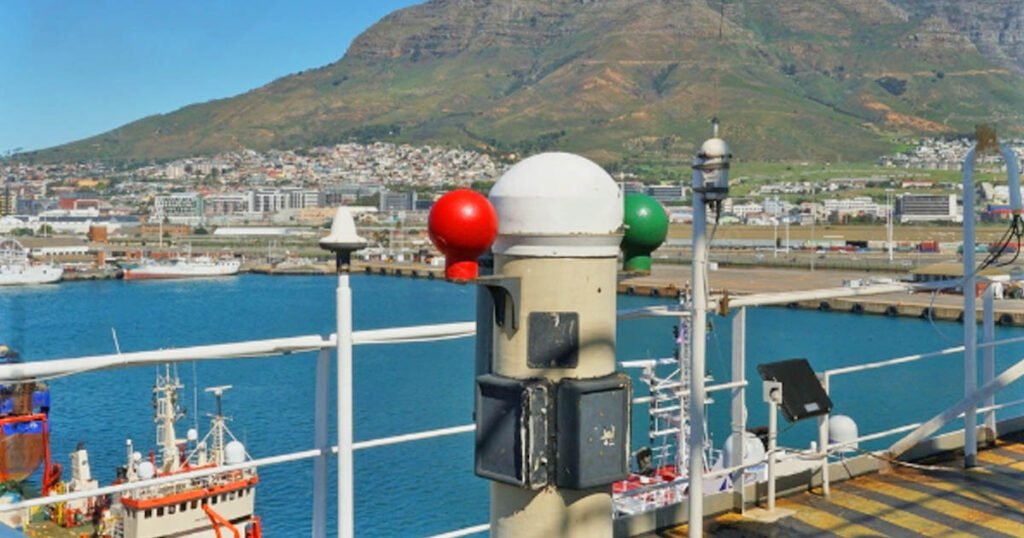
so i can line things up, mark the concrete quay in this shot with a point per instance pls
(413, 270)
(668, 280)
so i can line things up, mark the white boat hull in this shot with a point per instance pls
(183, 270)
(25, 275)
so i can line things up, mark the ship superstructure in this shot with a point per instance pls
(192, 507)
(660, 473)
(16, 269)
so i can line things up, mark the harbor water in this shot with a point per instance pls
(426, 487)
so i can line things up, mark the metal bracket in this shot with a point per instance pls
(772, 392)
(502, 289)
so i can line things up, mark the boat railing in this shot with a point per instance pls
(280, 348)
(322, 449)
(826, 377)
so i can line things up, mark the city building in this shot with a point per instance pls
(839, 209)
(927, 208)
(228, 204)
(633, 187)
(748, 208)
(179, 208)
(304, 198)
(667, 193)
(346, 194)
(397, 201)
(268, 201)
(8, 202)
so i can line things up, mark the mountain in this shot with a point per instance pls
(628, 81)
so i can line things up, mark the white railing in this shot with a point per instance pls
(826, 379)
(277, 347)
(283, 347)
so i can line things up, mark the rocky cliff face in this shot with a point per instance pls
(995, 27)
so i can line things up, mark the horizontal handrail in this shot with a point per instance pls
(417, 436)
(262, 462)
(726, 386)
(909, 427)
(415, 333)
(920, 356)
(661, 311)
(248, 349)
(646, 363)
(169, 479)
(238, 350)
(475, 529)
(766, 299)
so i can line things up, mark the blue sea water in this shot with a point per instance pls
(427, 487)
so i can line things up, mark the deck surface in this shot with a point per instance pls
(984, 501)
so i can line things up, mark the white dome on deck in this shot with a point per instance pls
(146, 470)
(234, 453)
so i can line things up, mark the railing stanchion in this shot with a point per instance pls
(773, 426)
(346, 504)
(823, 441)
(321, 402)
(343, 241)
(970, 315)
(739, 408)
(988, 355)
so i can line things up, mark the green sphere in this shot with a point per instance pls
(646, 224)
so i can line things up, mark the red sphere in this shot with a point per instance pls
(462, 225)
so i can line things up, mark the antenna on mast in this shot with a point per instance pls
(217, 426)
(218, 393)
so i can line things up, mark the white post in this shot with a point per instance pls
(786, 250)
(321, 399)
(346, 505)
(695, 405)
(888, 222)
(988, 355)
(343, 241)
(823, 442)
(773, 427)
(970, 316)
(775, 243)
(739, 408)
(814, 219)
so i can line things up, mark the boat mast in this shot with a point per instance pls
(217, 425)
(685, 334)
(166, 413)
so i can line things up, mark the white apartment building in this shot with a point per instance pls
(927, 208)
(859, 205)
(178, 208)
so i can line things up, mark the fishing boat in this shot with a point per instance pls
(215, 505)
(198, 507)
(182, 267)
(17, 269)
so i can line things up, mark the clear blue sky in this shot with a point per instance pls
(70, 69)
